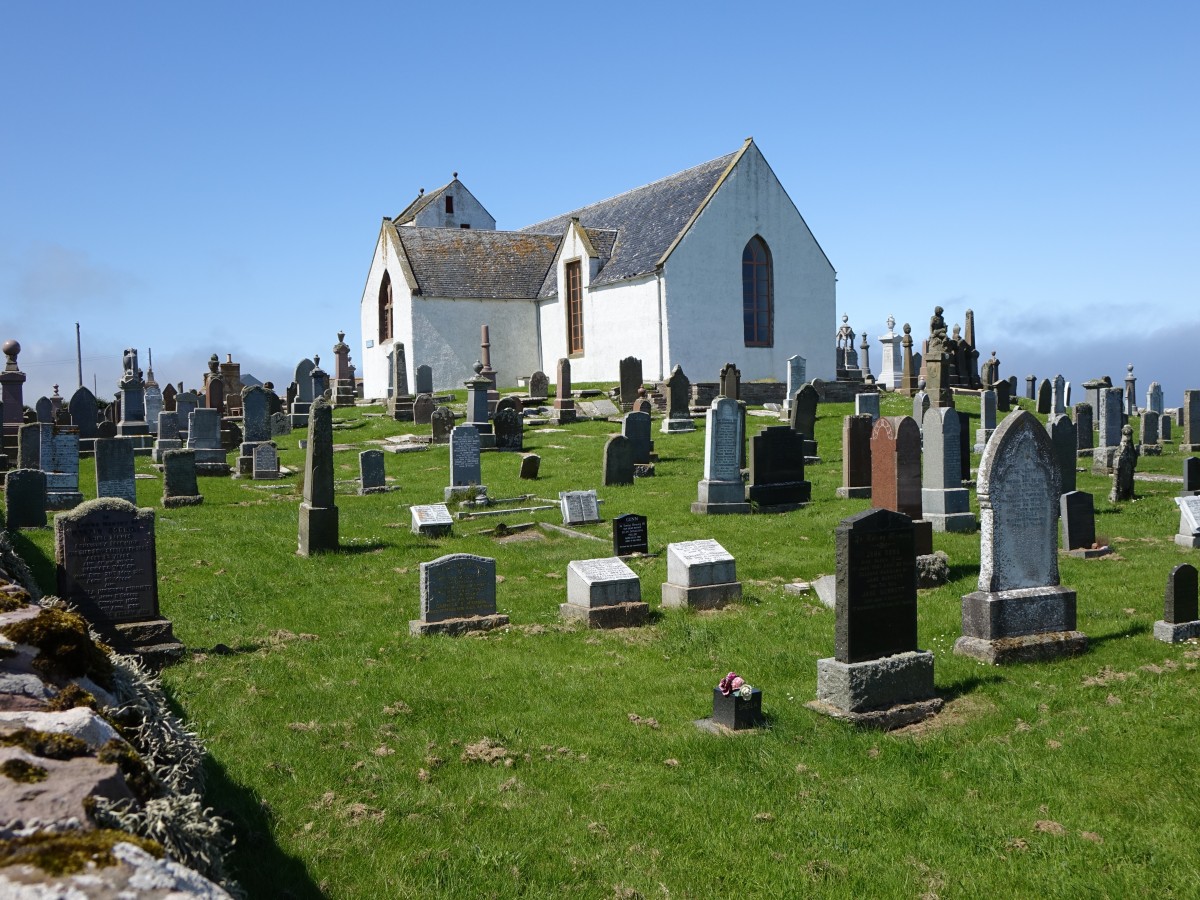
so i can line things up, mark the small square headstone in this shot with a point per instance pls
(630, 535)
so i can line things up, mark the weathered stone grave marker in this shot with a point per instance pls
(604, 593)
(700, 574)
(1180, 607)
(458, 595)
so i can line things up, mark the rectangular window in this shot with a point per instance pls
(449, 204)
(465, 225)
(574, 293)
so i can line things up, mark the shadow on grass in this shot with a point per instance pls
(1133, 630)
(957, 689)
(962, 570)
(40, 566)
(256, 861)
(368, 547)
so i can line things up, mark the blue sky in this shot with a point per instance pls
(209, 178)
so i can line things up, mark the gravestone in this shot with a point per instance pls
(186, 403)
(1030, 387)
(441, 423)
(466, 475)
(891, 368)
(1189, 438)
(618, 460)
(579, 507)
(59, 449)
(797, 369)
(1164, 427)
(423, 407)
(1062, 437)
(1111, 417)
(564, 404)
(679, 399)
(302, 378)
(1150, 436)
(1154, 398)
(1083, 427)
(1020, 611)
(168, 435)
(478, 411)
(701, 575)
(458, 595)
(920, 404)
(722, 491)
(531, 463)
(804, 417)
(371, 476)
(896, 465)
(256, 425)
(539, 385)
(730, 381)
(424, 380)
(603, 593)
(877, 676)
(265, 462)
(107, 568)
(856, 457)
(154, 405)
(168, 398)
(280, 424)
(29, 444)
(114, 469)
(180, 487)
(509, 430)
(1124, 468)
(204, 437)
(82, 406)
(944, 501)
(44, 411)
(318, 532)
(24, 499)
(1191, 476)
(636, 427)
(777, 470)
(1189, 521)
(987, 420)
(1181, 618)
(1004, 396)
(630, 535)
(1130, 396)
(867, 405)
(431, 520)
(1077, 519)
(1058, 396)
(630, 369)
(399, 402)
(1045, 397)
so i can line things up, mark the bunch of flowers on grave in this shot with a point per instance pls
(734, 684)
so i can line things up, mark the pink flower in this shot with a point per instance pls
(737, 682)
(726, 686)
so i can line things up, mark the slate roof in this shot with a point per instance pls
(646, 221)
(488, 265)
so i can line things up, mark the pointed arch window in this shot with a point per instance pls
(385, 308)
(757, 295)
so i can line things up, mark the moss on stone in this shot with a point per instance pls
(64, 854)
(10, 602)
(46, 744)
(64, 648)
(138, 777)
(70, 697)
(23, 771)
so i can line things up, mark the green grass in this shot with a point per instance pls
(341, 756)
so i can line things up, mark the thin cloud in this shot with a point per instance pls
(66, 277)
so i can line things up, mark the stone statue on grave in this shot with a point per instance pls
(130, 372)
(1123, 467)
(845, 334)
(991, 371)
(937, 333)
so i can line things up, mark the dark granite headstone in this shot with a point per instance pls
(630, 535)
(264, 464)
(114, 469)
(106, 563)
(1180, 601)
(1063, 437)
(530, 465)
(424, 380)
(29, 445)
(876, 604)
(464, 457)
(106, 429)
(371, 475)
(731, 382)
(856, 457)
(618, 460)
(631, 380)
(777, 469)
(803, 417)
(1077, 517)
(1083, 426)
(83, 412)
(679, 397)
(441, 423)
(636, 426)
(423, 407)
(509, 429)
(179, 479)
(256, 425)
(24, 499)
(461, 589)
(1191, 476)
(318, 514)
(1003, 396)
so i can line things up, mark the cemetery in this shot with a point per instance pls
(420, 665)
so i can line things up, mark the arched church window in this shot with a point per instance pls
(757, 299)
(385, 308)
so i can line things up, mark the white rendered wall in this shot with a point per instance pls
(703, 283)
(467, 211)
(446, 331)
(619, 320)
(373, 365)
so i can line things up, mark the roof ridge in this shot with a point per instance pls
(641, 187)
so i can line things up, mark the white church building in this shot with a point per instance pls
(709, 266)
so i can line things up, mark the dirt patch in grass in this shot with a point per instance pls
(486, 750)
(957, 712)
